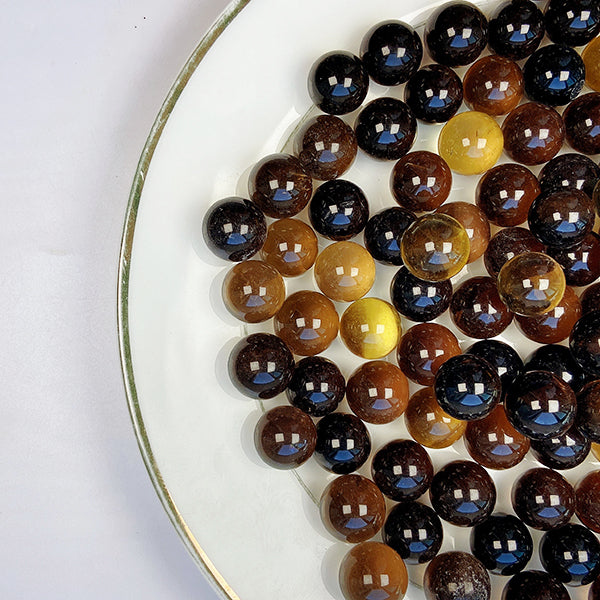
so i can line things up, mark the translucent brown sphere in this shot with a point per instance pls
(456, 576)
(345, 271)
(531, 284)
(435, 247)
(581, 263)
(582, 123)
(588, 411)
(587, 494)
(506, 244)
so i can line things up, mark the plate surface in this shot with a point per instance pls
(255, 531)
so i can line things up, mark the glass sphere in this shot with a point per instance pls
(581, 263)
(534, 585)
(571, 171)
(587, 493)
(558, 360)
(582, 123)
(590, 299)
(506, 244)
(563, 452)
(456, 576)
(384, 232)
(584, 342)
(588, 411)
(572, 22)
(591, 60)
(504, 358)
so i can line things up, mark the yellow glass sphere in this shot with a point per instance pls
(591, 60)
(471, 143)
(370, 328)
(435, 247)
(345, 271)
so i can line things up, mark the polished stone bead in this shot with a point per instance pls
(558, 360)
(402, 470)
(434, 93)
(477, 309)
(591, 60)
(352, 508)
(571, 171)
(414, 531)
(280, 186)
(590, 299)
(377, 392)
(234, 229)
(504, 358)
(543, 499)
(572, 22)
(456, 33)
(344, 271)
(516, 29)
(285, 437)
(463, 493)
(391, 52)
(494, 443)
(534, 585)
(582, 123)
(505, 194)
(307, 322)
(421, 181)
(386, 128)
(584, 342)
(317, 386)
(563, 452)
(343, 443)
(533, 133)
(588, 411)
(383, 234)
(581, 263)
(338, 82)
(540, 405)
(260, 366)
(423, 349)
(506, 244)
(587, 493)
(476, 224)
(571, 553)
(456, 576)
(326, 147)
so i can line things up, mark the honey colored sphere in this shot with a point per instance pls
(370, 328)
(476, 224)
(253, 291)
(345, 271)
(471, 143)
(435, 247)
(531, 284)
(307, 322)
(591, 60)
(373, 570)
(429, 424)
(291, 247)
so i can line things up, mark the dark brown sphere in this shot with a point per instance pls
(456, 576)
(587, 495)
(581, 263)
(590, 299)
(507, 244)
(588, 411)
(582, 123)
(476, 224)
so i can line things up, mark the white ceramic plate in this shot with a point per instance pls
(254, 531)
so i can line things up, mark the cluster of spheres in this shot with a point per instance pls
(519, 119)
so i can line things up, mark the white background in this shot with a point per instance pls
(82, 81)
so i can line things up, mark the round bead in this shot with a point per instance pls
(338, 210)
(373, 570)
(343, 443)
(414, 531)
(456, 34)
(533, 133)
(463, 493)
(477, 309)
(234, 229)
(596, 451)
(571, 553)
(423, 349)
(594, 593)
(285, 437)
(558, 360)
(540, 405)
(534, 585)
(383, 234)
(352, 508)
(473, 219)
(327, 147)
(370, 328)
(317, 386)
(591, 60)
(572, 22)
(531, 284)
(494, 443)
(421, 181)
(338, 83)
(434, 93)
(377, 392)
(588, 411)
(504, 358)
(307, 322)
(581, 263)
(471, 142)
(391, 52)
(280, 186)
(587, 493)
(506, 244)
(516, 29)
(543, 499)
(456, 576)
(419, 300)
(260, 366)
(402, 470)
(435, 247)
(572, 171)
(505, 194)
(398, 133)
(291, 247)
(584, 342)
(344, 271)
(563, 452)
(582, 123)
(590, 299)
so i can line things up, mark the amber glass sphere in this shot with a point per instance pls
(345, 271)
(506, 244)
(471, 143)
(587, 495)
(531, 284)
(591, 60)
(435, 247)
(370, 328)
(307, 322)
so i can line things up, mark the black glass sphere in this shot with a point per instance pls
(570, 171)
(572, 22)
(343, 443)
(534, 585)
(563, 452)
(338, 83)
(434, 93)
(554, 75)
(391, 52)
(580, 263)
(383, 234)
(584, 342)
(504, 358)
(558, 360)
(338, 210)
